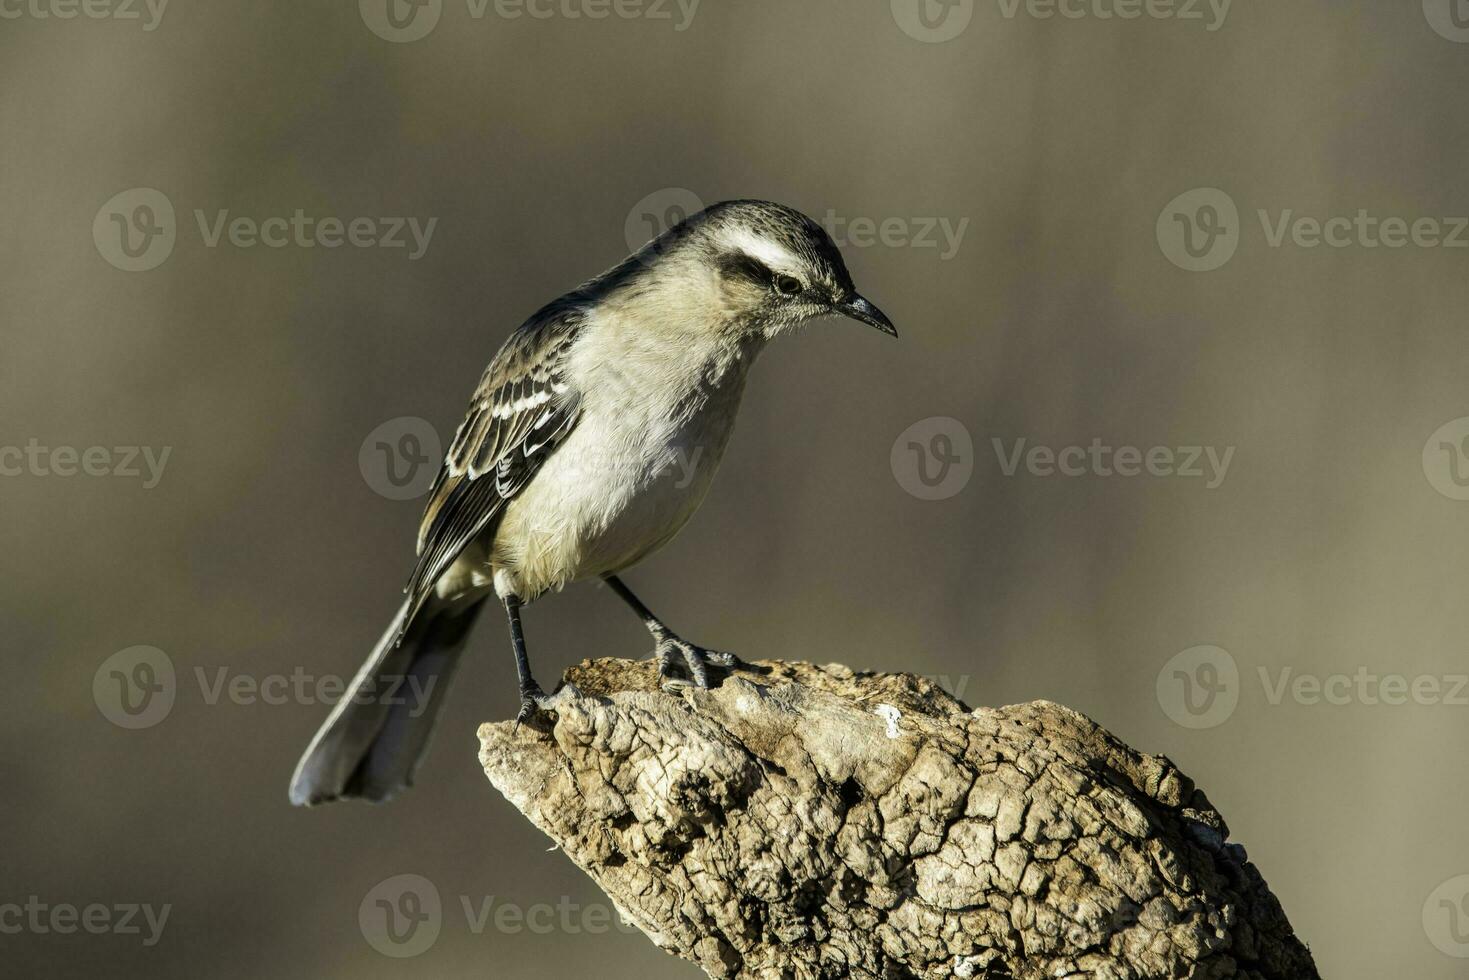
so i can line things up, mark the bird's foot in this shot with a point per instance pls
(533, 700)
(677, 656)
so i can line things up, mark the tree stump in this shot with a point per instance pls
(803, 821)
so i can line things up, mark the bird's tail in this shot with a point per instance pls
(371, 743)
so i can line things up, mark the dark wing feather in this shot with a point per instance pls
(523, 408)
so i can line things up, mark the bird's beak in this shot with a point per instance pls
(862, 311)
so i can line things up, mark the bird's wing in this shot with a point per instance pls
(522, 410)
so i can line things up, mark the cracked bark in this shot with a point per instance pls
(802, 821)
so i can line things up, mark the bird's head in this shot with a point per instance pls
(772, 267)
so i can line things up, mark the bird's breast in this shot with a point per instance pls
(626, 480)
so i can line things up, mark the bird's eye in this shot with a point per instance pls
(787, 285)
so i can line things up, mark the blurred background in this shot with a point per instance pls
(1286, 623)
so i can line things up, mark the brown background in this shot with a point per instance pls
(263, 550)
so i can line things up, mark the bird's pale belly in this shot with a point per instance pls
(593, 510)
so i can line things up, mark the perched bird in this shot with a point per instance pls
(573, 463)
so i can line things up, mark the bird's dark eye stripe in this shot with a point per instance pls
(742, 266)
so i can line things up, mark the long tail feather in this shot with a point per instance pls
(371, 743)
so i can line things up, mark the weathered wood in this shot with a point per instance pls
(808, 821)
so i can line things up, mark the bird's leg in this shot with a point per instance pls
(671, 649)
(532, 698)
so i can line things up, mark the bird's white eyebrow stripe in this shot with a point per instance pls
(742, 239)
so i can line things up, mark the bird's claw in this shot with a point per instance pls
(532, 700)
(673, 654)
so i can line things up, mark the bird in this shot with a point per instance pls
(592, 438)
